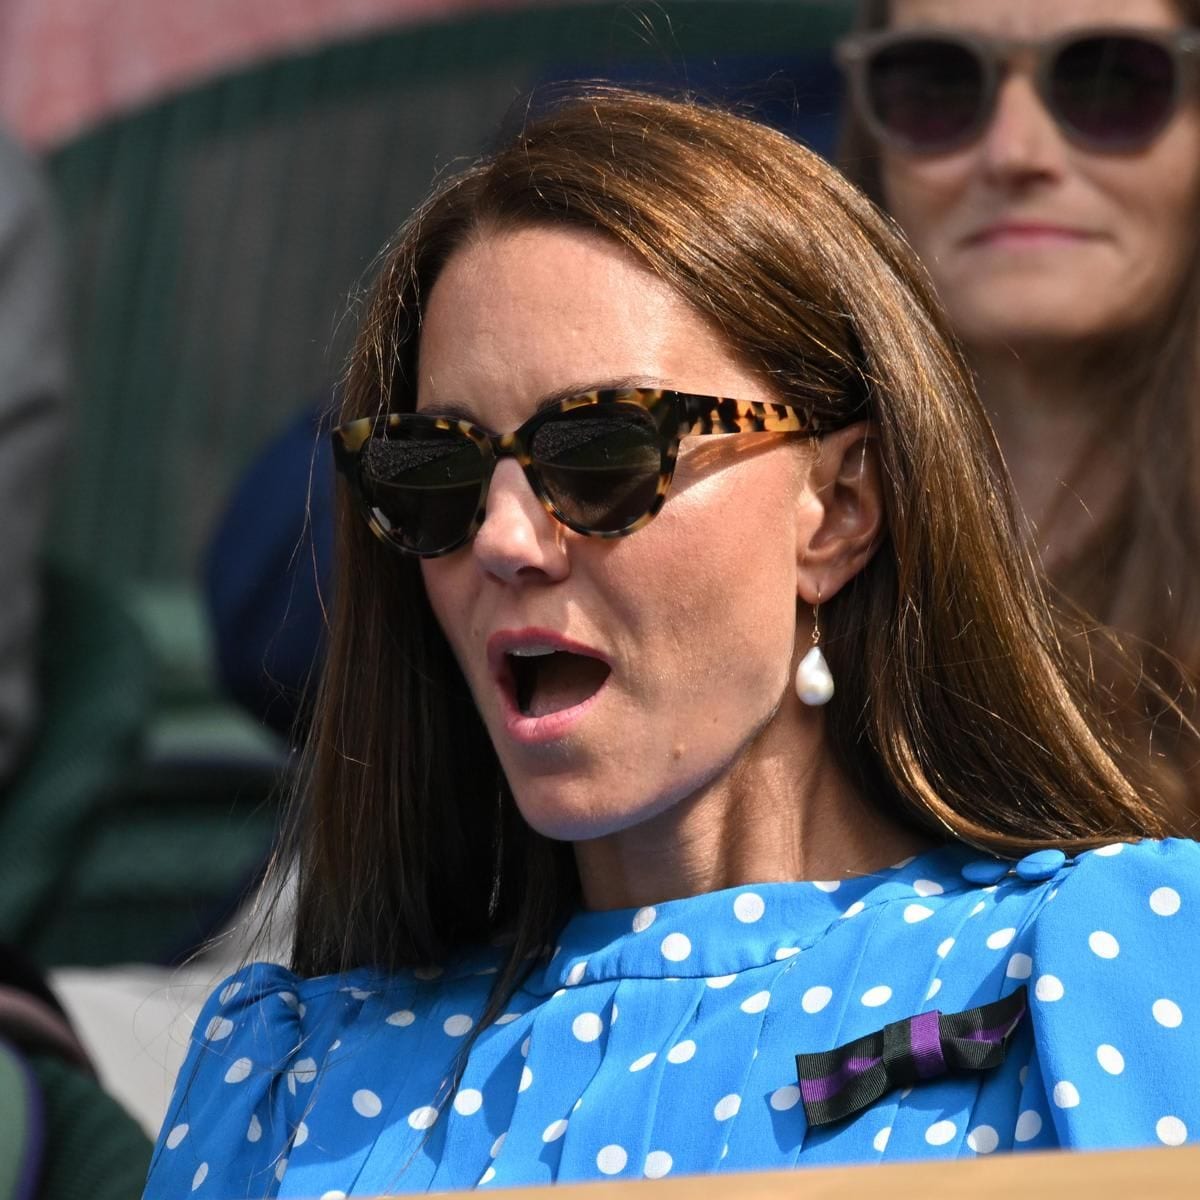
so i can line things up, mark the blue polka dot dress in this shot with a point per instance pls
(663, 1041)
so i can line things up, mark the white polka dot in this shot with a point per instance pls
(1103, 945)
(498, 1144)
(487, 1176)
(916, 912)
(424, 1117)
(643, 919)
(281, 1169)
(1023, 1074)
(457, 1025)
(357, 993)
(587, 1027)
(934, 988)
(576, 973)
(681, 1052)
(239, 1071)
(676, 947)
(254, 1130)
(1109, 851)
(304, 1070)
(785, 1097)
(200, 1176)
(1020, 966)
(1164, 901)
(853, 910)
(927, 887)
(786, 952)
(554, 1131)
(508, 1018)
(874, 997)
(756, 1003)
(1001, 938)
(176, 1136)
(727, 1107)
(725, 1150)
(1048, 988)
(525, 1046)
(575, 1106)
(301, 1135)
(642, 1063)
(880, 1140)
(1029, 1125)
(526, 1080)
(218, 1029)
(1171, 1131)
(749, 907)
(334, 1195)
(1066, 1094)
(827, 885)
(658, 1164)
(611, 1160)
(613, 1019)
(815, 999)
(366, 1103)
(402, 1018)
(945, 947)
(1111, 1059)
(720, 981)
(941, 1132)
(978, 908)
(230, 990)
(468, 1102)
(983, 1139)
(1168, 1013)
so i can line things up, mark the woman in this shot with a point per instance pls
(571, 761)
(1044, 161)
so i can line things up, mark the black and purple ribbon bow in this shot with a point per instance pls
(838, 1083)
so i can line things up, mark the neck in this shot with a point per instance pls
(1050, 411)
(783, 811)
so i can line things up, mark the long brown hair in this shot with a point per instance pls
(1136, 572)
(957, 710)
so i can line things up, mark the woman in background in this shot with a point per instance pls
(693, 727)
(1044, 161)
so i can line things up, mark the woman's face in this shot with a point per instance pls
(694, 615)
(1030, 239)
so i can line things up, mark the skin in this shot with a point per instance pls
(1034, 309)
(668, 786)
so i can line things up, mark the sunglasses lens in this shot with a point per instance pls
(926, 93)
(422, 486)
(600, 464)
(1114, 91)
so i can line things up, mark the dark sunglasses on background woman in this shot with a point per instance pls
(600, 463)
(930, 91)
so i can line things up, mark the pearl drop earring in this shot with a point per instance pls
(814, 682)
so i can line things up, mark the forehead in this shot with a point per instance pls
(519, 314)
(1033, 18)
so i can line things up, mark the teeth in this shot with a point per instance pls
(531, 651)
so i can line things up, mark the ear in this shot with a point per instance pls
(842, 518)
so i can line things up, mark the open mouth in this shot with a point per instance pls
(545, 680)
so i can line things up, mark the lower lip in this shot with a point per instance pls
(538, 731)
(1017, 239)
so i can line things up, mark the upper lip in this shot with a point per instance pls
(505, 641)
(998, 228)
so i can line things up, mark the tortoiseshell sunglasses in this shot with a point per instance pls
(601, 462)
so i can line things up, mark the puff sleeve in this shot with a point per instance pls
(235, 1113)
(1115, 997)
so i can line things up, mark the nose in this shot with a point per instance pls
(1022, 144)
(519, 541)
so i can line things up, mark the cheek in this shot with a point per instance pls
(447, 588)
(921, 193)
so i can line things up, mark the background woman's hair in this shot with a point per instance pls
(1137, 571)
(957, 709)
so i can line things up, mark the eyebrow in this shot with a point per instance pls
(463, 412)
